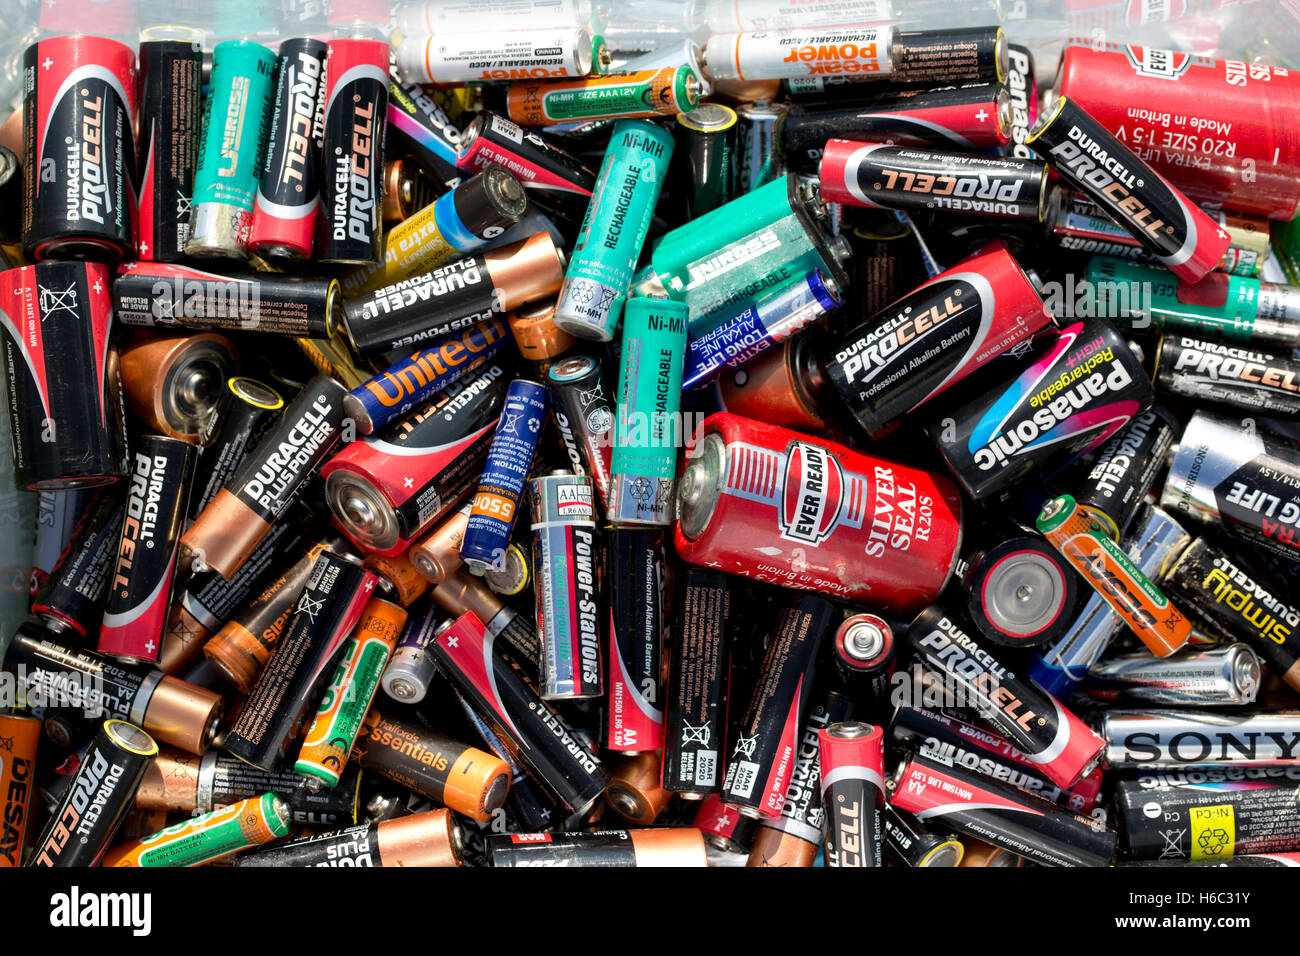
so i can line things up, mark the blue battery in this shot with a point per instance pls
(500, 489)
(771, 320)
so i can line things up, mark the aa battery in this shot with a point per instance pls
(1220, 676)
(1093, 160)
(1082, 387)
(411, 668)
(933, 337)
(864, 657)
(1125, 469)
(694, 730)
(644, 93)
(536, 335)
(269, 480)
(17, 783)
(72, 597)
(460, 592)
(724, 827)
(173, 384)
(209, 837)
(647, 426)
(1178, 738)
(533, 734)
(349, 229)
(545, 169)
(707, 148)
(289, 191)
(463, 778)
(1248, 378)
(661, 846)
(290, 687)
(79, 117)
(758, 145)
(472, 16)
(431, 838)
(853, 793)
(427, 133)
(613, 230)
(171, 120)
(1234, 602)
(245, 411)
(454, 296)
(387, 489)
(139, 593)
(762, 758)
(501, 485)
(522, 53)
(956, 799)
(1210, 813)
(1050, 736)
(635, 572)
(235, 118)
(59, 515)
(916, 845)
(84, 821)
(400, 388)
(568, 586)
(635, 792)
(329, 739)
(1020, 592)
(1245, 481)
(458, 223)
(437, 554)
(862, 53)
(65, 407)
(584, 418)
(174, 296)
(774, 318)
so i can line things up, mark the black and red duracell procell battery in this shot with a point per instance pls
(79, 112)
(546, 171)
(72, 597)
(1090, 158)
(65, 391)
(763, 756)
(635, 570)
(723, 826)
(387, 489)
(934, 336)
(349, 228)
(532, 733)
(954, 799)
(694, 722)
(853, 793)
(139, 592)
(288, 195)
(171, 120)
(1051, 737)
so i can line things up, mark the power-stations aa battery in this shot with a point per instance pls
(699, 670)
(635, 569)
(171, 121)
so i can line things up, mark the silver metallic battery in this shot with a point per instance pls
(760, 153)
(411, 668)
(1181, 738)
(1193, 677)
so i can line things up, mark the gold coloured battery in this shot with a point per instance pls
(407, 581)
(432, 838)
(406, 189)
(669, 846)
(634, 792)
(20, 736)
(331, 357)
(173, 383)
(979, 853)
(773, 847)
(536, 334)
(437, 554)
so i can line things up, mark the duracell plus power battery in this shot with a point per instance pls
(699, 670)
(241, 514)
(84, 821)
(289, 688)
(437, 554)
(1050, 736)
(174, 383)
(171, 121)
(659, 847)
(463, 778)
(430, 838)
(64, 391)
(246, 409)
(79, 119)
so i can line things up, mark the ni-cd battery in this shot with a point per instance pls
(706, 150)
(1227, 675)
(79, 118)
(501, 485)
(568, 586)
(246, 410)
(760, 766)
(1020, 592)
(140, 589)
(1247, 481)
(235, 117)
(289, 688)
(210, 836)
(171, 120)
(584, 418)
(65, 407)
(613, 230)
(635, 571)
(174, 383)
(349, 229)
(1125, 468)
(633, 95)
(648, 428)
(1244, 377)
(289, 189)
(84, 821)
(853, 793)
(546, 171)
(656, 846)
(1235, 602)
(695, 713)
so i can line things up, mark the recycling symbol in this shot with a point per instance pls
(1213, 841)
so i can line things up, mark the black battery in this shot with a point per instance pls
(1020, 592)
(706, 154)
(171, 121)
(1125, 468)
(288, 689)
(11, 197)
(914, 844)
(584, 418)
(933, 58)
(886, 262)
(635, 572)
(72, 597)
(426, 132)
(1247, 378)
(694, 731)
(864, 651)
(853, 794)
(83, 823)
(245, 412)
(545, 170)
(65, 390)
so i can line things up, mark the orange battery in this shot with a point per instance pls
(407, 581)
(437, 554)
(642, 93)
(19, 738)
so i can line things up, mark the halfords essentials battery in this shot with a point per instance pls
(778, 506)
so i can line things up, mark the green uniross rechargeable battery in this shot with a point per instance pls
(1221, 305)
(1286, 244)
(639, 93)
(647, 426)
(613, 230)
(209, 837)
(231, 151)
(725, 261)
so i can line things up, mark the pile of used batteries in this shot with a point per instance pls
(796, 439)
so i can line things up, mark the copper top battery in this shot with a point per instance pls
(437, 554)
(535, 332)
(786, 386)
(406, 189)
(174, 383)
(662, 847)
(431, 838)
(634, 792)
